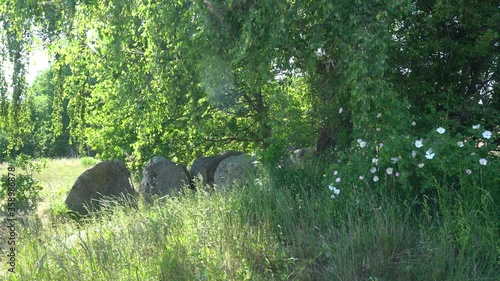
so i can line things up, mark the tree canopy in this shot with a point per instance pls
(133, 79)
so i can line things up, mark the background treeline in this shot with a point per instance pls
(133, 79)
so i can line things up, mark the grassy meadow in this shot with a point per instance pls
(285, 226)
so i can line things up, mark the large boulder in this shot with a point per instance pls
(106, 180)
(150, 171)
(206, 166)
(237, 169)
(163, 177)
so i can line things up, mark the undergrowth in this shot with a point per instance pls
(279, 228)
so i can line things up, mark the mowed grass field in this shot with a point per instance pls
(279, 228)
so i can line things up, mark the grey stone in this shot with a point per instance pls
(237, 169)
(206, 166)
(150, 171)
(106, 180)
(300, 158)
(163, 177)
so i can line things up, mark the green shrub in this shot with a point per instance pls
(27, 188)
(414, 167)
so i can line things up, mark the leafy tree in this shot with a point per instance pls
(445, 61)
(44, 141)
(184, 78)
(4, 144)
(4, 108)
(139, 86)
(15, 34)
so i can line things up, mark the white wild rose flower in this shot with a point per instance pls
(419, 143)
(361, 143)
(429, 154)
(487, 134)
(336, 192)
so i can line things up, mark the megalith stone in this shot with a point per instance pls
(206, 166)
(106, 180)
(163, 177)
(237, 169)
(150, 171)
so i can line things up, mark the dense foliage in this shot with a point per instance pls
(25, 189)
(186, 78)
(274, 229)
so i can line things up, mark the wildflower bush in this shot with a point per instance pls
(410, 167)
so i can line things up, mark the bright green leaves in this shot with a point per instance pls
(22, 23)
(4, 103)
(218, 81)
(183, 78)
(447, 57)
(15, 40)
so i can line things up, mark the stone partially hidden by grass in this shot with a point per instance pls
(56, 179)
(286, 229)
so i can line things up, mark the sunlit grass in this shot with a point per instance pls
(61, 174)
(277, 229)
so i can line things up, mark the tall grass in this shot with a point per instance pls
(283, 227)
(88, 161)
